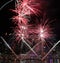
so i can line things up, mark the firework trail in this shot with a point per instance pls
(5, 4)
(51, 50)
(29, 47)
(9, 47)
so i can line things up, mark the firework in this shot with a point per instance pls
(45, 32)
(23, 31)
(33, 36)
(23, 8)
(51, 50)
(9, 47)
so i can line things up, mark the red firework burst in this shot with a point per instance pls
(24, 8)
(45, 32)
(44, 29)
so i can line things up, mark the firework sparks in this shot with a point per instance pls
(27, 5)
(20, 32)
(45, 31)
(24, 8)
